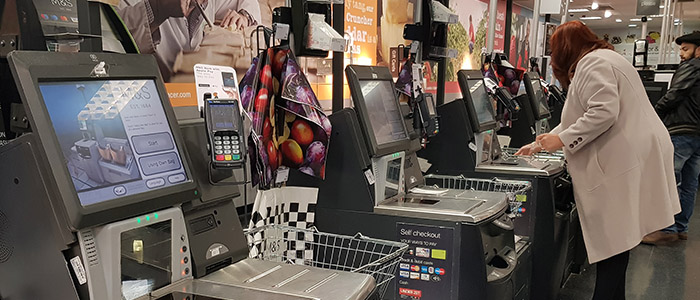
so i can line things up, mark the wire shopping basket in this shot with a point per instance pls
(310, 247)
(513, 188)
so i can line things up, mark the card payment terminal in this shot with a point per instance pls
(224, 128)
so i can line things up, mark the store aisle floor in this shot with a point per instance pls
(669, 272)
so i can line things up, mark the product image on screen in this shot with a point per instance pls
(384, 113)
(482, 101)
(542, 106)
(223, 115)
(229, 79)
(115, 137)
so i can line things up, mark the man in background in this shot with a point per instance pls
(680, 111)
(168, 27)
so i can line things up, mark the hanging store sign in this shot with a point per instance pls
(553, 7)
(648, 7)
(361, 24)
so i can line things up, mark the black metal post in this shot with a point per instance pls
(90, 24)
(442, 71)
(507, 34)
(338, 59)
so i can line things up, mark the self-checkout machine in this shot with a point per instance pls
(468, 146)
(74, 238)
(460, 242)
(535, 120)
(540, 110)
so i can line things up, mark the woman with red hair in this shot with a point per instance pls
(618, 152)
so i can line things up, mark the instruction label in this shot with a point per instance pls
(426, 269)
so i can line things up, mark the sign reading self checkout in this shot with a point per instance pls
(425, 271)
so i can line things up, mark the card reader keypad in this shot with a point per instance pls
(227, 147)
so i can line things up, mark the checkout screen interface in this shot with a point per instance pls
(115, 137)
(540, 99)
(482, 101)
(384, 113)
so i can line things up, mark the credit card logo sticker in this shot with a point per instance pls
(422, 252)
(439, 271)
(415, 268)
(403, 266)
(403, 274)
(425, 277)
(424, 269)
(415, 275)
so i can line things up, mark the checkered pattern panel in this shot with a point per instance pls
(271, 207)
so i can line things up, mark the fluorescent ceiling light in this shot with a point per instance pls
(576, 10)
(677, 20)
(650, 19)
(618, 20)
(594, 5)
(656, 16)
(608, 13)
(590, 18)
(633, 25)
(661, 6)
(636, 20)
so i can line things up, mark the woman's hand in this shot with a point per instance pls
(529, 149)
(550, 142)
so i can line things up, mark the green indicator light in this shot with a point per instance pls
(138, 220)
(155, 216)
(196, 193)
(148, 218)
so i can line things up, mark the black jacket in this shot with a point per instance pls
(680, 107)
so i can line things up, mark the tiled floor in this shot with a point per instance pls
(655, 272)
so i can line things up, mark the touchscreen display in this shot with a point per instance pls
(224, 116)
(541, 100)
(384, 112)
(482, 101)
(115, 137)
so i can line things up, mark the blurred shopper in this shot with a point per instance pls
(680, 111)
(618, 153)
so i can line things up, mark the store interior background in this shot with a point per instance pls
(373, 30)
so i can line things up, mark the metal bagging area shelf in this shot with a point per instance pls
(357, 254)
(514, 189)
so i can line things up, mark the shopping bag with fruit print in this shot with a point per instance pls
(305, 129)
(289, 127)
(257, 95)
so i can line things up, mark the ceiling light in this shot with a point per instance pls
(608, 13)
(661, 6)
(590, 18)
(677, 20)
(650, 19)
(636, 20)
(657, 16)
(594, 5)
(633, 25)
(618, 20)
(576, 10)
